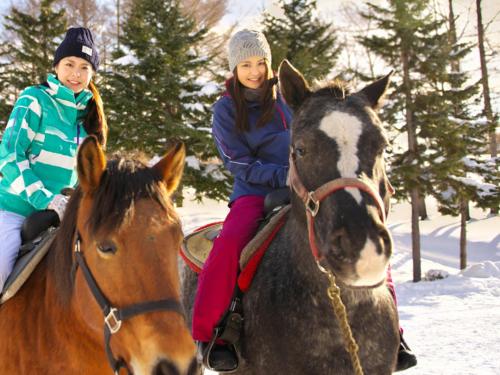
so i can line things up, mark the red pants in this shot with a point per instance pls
(218, 278)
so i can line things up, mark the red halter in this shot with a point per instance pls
(312, 199)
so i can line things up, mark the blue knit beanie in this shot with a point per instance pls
(78, 42)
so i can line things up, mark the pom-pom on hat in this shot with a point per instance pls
(78, 42)
(247, 43)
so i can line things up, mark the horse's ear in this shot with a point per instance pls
(171, 166)
(91, 163)
(293, 85)
(375, 91)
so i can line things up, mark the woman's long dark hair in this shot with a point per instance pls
(95, 122)
(267, 101)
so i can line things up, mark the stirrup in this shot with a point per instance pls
(213, 357)
(406, 358)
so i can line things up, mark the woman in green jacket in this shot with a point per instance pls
(39, 144)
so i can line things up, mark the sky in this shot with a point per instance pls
(450, 324)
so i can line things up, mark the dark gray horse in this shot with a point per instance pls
(290, 326)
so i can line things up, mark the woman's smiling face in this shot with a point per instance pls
(252, 72)
(74, 72)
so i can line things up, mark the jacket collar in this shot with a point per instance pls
(57, 90)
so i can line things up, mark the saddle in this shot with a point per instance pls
(37, 234)
(197, 245)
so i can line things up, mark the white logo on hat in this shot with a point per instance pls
(87, 50)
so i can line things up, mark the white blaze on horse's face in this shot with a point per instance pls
(345, 129)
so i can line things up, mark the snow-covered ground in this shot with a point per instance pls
(452, 324)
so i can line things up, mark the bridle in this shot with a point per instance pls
(312, 199)
(114, 316)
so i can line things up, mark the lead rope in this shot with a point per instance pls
(333, 292)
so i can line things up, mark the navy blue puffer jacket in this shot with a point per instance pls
(258, 158)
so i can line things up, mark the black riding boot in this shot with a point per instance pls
(218, 358)
(406, 358)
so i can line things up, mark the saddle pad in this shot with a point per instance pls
(197, 245)
(26, 264)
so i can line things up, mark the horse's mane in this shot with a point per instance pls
(124, 182)
(337, 88)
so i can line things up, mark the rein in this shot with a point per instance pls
(114, 316)
(312, 200)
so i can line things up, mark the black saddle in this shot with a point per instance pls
(276, 198)
(37, 232)
(34, 225)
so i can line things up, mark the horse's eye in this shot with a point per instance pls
(300, 152)
(106, 247)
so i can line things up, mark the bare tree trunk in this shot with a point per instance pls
(486, 88)
(415, 235)
(455, 67)
(484, 80)
(414, 192)
(117, 3)
(422, 208)
(463, 234)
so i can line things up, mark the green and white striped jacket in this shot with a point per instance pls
(39, 145)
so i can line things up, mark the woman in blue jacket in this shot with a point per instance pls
(250, 130)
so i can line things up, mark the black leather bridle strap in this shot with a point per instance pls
(113, 316)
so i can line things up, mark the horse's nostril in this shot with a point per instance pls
(338, 239)
(165, 367)
(386, 240)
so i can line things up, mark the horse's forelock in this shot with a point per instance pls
(337, 89)
(123, 183)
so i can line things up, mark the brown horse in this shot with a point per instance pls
(114, 256)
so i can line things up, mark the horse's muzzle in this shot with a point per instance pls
(165, 367)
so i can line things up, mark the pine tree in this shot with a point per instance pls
(406, 40)
(434, 100)
(302, 38)
(157, 92)
(30, 60)
(459, 174)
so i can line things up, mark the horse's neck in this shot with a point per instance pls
(46, 309)
(297, 260)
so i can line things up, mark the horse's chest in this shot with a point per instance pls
(287, 319)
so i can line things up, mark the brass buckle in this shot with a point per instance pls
(312, 205)
(114, 324)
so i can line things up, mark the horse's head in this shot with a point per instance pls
(126, 236)
(338, 146)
